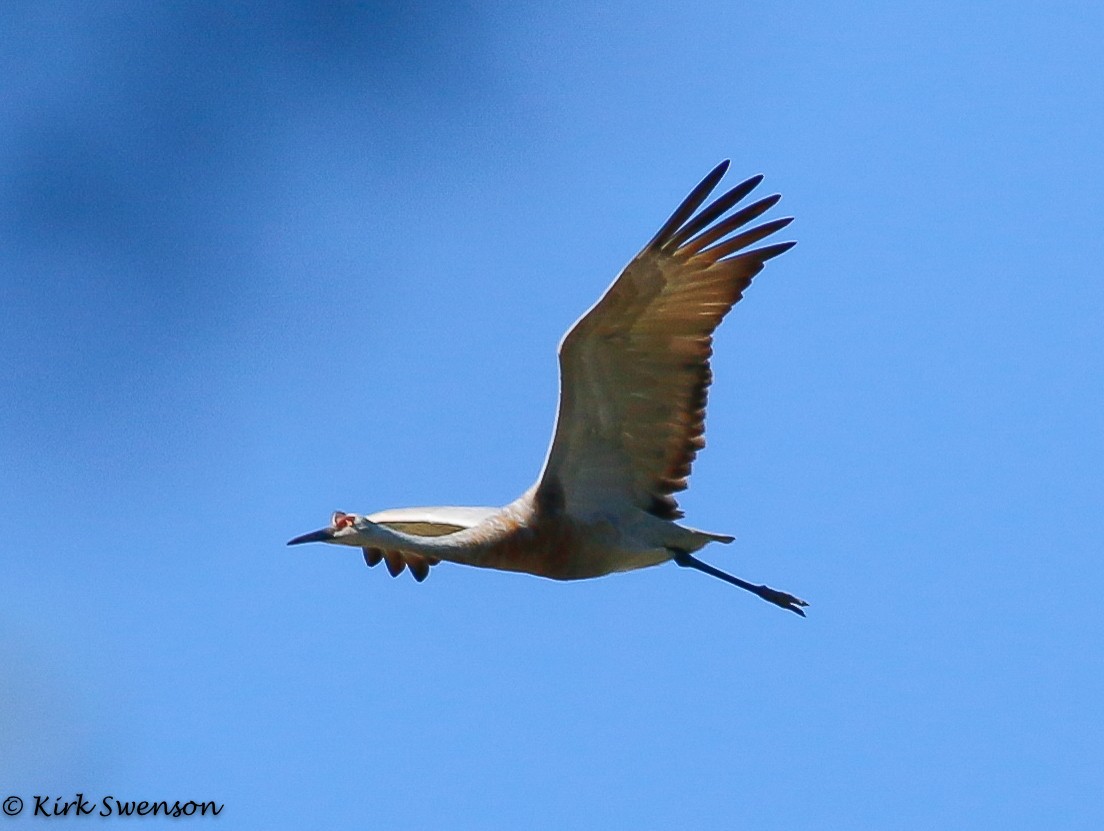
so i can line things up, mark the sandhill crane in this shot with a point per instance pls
(634, 371)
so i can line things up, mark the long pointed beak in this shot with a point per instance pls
(324, 535)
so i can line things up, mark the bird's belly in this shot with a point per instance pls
(571, 551)
(632, 560)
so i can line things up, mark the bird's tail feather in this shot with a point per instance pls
(725, 538)
(694, 539)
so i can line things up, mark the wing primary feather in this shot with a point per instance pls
(372, 556)
(395, 562)
(750, 237)
(418, 566)
(761, 255)
(690, 204)
(714, 210)
(723, 229)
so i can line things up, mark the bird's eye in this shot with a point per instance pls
(341, 520)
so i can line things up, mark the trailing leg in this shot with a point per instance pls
(781, 599)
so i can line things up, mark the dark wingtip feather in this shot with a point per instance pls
(372, 556)
(735, 244)
(769, 252)
(690, 204)
(395, 563)
(713, 210)
(726, 226)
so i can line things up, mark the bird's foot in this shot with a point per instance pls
(782, 599)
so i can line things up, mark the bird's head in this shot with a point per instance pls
(342, 530)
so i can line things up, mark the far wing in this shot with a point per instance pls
(634, 370)
(431, 522)
(424, 522)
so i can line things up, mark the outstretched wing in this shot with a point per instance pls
(424, 522)
(634, 370)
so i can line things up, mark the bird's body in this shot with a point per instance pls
(530, 537)
(634, 371)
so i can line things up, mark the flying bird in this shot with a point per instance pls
(634, 373)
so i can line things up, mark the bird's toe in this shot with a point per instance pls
(783, 600)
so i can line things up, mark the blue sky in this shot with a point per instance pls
(257, 265)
